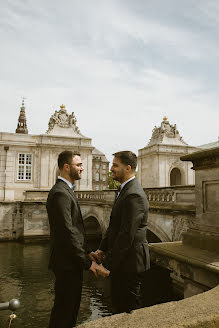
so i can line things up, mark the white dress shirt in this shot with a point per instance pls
(123, 184)
(71, 186)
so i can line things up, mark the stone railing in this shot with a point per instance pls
(165, 195)
(92, 195)
(177, 194)
(96, 196)
(83, 196)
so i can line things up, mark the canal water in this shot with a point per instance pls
(24, 275)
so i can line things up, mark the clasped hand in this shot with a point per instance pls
(98, 269)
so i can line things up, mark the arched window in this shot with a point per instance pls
(175, 177)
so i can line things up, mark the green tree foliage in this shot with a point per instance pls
(112, 184)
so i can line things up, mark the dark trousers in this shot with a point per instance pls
(68, 287)
(125, 291)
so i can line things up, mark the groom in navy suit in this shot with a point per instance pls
(124, 247)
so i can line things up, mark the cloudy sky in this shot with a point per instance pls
(120, 65)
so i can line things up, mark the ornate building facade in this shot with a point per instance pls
(159, 163)
(29, 162)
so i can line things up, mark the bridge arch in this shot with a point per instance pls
(156, 233)
(152, 238)
(92, 227)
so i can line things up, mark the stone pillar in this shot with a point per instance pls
(196, 258)
(204, 233)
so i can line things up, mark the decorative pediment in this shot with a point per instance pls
(64, 124)
(166, 134)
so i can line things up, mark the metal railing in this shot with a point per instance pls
(11, 305)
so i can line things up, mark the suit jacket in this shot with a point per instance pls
(125, 241)
(69, 249)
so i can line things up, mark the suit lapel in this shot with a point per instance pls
(122, 192)
(64, 184)
(71, 192)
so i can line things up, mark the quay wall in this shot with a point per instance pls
(199, 311)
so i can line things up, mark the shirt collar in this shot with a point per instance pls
(71, 186)
(124, 183)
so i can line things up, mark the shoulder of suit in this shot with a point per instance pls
(135, 188)
(134, 185)
(60, 187)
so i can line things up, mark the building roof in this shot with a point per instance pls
(209, 145)
(97, 152)
(204, 153)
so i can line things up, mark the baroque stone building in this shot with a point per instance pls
(159, 163)
(29, 162)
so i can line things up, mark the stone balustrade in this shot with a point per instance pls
(90, 195)
(176, 194)
(96, 196)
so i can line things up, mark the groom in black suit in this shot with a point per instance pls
(69, 252)
(124, 246)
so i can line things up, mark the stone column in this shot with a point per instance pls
(204, 234)
(196, 258)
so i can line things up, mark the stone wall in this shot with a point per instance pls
(199, 311)
(11, 220)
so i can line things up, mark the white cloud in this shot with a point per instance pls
(118, 69)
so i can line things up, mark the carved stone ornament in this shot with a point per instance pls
(62, 119)
(178, 164)
(180, 225)
(164, 132)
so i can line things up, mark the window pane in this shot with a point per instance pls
(28, 176)
(21, 158)
(20, 172)
(29, 159)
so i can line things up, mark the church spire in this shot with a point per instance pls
(22, 122)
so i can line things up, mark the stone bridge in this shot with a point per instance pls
(171, 210)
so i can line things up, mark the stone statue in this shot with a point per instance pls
(165, 130)
(62, 119)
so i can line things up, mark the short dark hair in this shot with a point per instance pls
(127, 157)
(65, 157)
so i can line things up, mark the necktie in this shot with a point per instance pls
(118, 191)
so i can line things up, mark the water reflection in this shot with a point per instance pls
(24, 275)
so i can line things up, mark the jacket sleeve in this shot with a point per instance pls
(132, 214)
(67, 234)
(104, 242)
